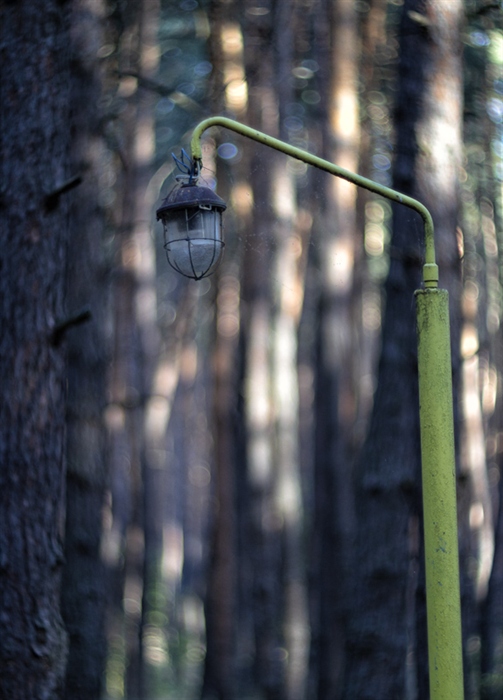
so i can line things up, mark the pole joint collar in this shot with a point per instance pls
(430, 275)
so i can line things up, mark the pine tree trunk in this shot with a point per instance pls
(264, 532)
(83, 586)
(220, 604)
(388, 496)
(333, 508)
(123, 541)
(35, 131)
(221, 595)
(492, 618)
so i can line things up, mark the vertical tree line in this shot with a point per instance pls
(36, 171)
(212, 489)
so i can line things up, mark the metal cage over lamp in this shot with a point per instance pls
(193, 235)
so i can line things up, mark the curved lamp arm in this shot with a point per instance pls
(430, 269)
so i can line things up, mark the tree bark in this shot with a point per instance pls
(334, 405)
(221, 595)
(35, 134)
(83, 586)
(428, 141)
(264, 526)
(492, 618)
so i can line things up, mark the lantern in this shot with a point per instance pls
(192, 221)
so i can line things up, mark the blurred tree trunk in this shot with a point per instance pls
(271, 301)
(287, 279)
(335, 406)
(83, 588)
(221, 676)
(138, 382)
(123, 536)
(428, 128)
(264, 533)
(156, 402)
(221, 595)
(35, 143)
(492, 618)
(483, 357)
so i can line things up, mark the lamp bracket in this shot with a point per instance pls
(188, 167)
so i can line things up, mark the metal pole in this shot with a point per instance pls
(439, 495)
(437, 428)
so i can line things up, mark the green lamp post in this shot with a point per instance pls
(196, 253)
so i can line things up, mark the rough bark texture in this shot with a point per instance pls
(35, 144)
(83, 586)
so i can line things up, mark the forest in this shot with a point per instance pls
(211, 489)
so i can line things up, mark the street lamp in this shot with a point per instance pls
(435, 408)
(192, 223)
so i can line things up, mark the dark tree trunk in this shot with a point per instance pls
(264, 535)
(83, 586)
(388, 492)
(334, 404)
(35, 132)
(220, 603)
(492, 618)
(123, 540)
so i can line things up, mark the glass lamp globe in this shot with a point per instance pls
(193, 236)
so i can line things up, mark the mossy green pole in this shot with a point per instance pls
(437, 428)
(439, 495)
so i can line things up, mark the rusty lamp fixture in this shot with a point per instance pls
(191, 216)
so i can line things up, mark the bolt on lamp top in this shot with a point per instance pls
(193, 234)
